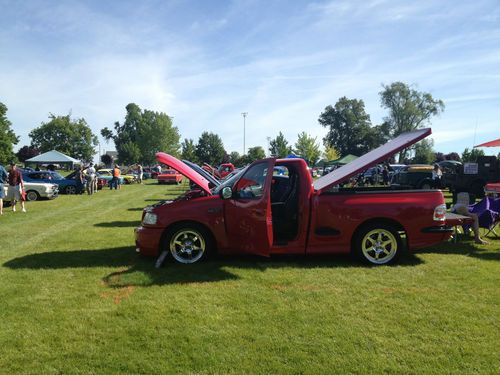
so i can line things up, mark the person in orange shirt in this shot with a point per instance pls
(115, 181)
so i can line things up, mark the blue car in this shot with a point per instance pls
(67, 185)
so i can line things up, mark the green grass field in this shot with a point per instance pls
(75, 298)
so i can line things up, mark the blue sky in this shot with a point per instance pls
(283, 62)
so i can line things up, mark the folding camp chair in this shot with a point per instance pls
(489, 220)
(488, 217)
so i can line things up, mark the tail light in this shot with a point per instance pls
(440, 212)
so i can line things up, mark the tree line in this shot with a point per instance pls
(144, 132)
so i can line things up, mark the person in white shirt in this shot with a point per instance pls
(436, 176)
(90, 179)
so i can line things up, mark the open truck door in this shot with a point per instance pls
(248, 216)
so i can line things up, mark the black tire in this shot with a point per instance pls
(32, 195)
(377, 244)
(187, 243)
(70, 189)
(425, 185)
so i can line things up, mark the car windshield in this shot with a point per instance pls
(56, 176)
(229, 182)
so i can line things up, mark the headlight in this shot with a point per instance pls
(150, 218)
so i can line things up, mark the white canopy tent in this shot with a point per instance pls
(53, 157)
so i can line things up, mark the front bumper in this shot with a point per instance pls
(147, 240)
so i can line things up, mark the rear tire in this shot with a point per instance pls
(378, 244)
(32, 195)
(425, 185)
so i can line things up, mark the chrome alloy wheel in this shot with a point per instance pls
(379, 246)
(187, 246)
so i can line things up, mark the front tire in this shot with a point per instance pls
(188, 243)
(378, 244)
(70, 189)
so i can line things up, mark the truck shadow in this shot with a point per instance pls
(135, 270)
(118, 224)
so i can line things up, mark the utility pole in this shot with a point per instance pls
(244, 114)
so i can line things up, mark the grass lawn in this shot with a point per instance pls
(75, 298)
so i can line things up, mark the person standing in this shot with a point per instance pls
(115, 181)
(79, 180)
(3, 180)
(90, 179)
(139, 173)
(16, 187)
(436, 176)
(385, 175)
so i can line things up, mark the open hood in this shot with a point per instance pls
(183, 169)
(369, 160)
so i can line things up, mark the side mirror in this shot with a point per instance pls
(226, 193)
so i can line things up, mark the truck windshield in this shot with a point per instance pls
(229, 182)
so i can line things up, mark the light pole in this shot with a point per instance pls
(244, 114)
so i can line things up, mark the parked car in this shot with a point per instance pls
(257, 212)
(38, 190)
(472, 177)
(107, 175)
(373, 175)
(150, 172)
(66, 185)
(225, 169)
(415, 176)
(169, 176)
(101, 182)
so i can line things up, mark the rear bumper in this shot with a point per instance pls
(147, 240)
(438, 229)
(430, 236)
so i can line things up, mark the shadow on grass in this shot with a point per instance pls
(465, 247)
(119, 224)
(115, 257)
(139, 271)
(135, 209)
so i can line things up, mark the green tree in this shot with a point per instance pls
(330, 153)
(255, 153)
(471, 156)
(156, 133)
(7, 137)
(27, 152)
(149, 131)
(349, 127)
(235, 158)
(279, 146)
(424, 152)
(409, 109)
(210, 149)
(189, 150)
(72, 137)
(307, 148)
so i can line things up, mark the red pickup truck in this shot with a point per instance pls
(258, 212)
